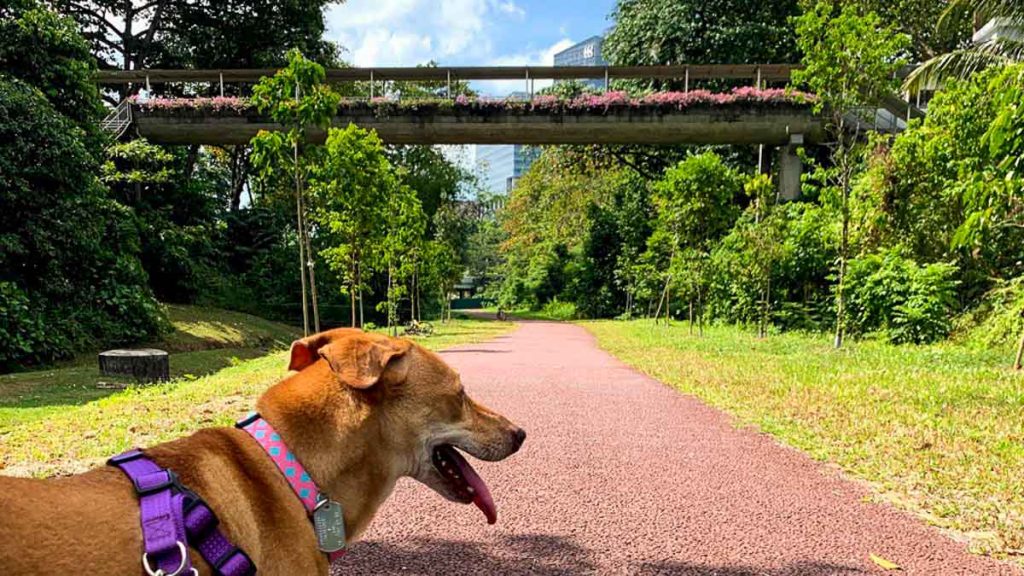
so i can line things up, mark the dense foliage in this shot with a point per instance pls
(70, 274)
(924, 231)
(650, 32)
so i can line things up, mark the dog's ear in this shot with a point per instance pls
(358, 359)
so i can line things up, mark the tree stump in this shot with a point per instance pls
(147, 365)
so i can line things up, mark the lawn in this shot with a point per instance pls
(59, 421)
(204, 340)
(935, 429)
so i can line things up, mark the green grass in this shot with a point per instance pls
(935, 429)
(204, 340)
(57, 421)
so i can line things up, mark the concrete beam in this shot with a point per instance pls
(720, 125)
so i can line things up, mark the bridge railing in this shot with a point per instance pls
(757, 74)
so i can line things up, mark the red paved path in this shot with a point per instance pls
(622, 475)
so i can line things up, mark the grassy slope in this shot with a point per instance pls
(937, 429)
(204, 340)
(59, 422)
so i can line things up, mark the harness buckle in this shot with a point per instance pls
(143, 489)
(182, 551)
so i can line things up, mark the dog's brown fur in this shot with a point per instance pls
(363, 411)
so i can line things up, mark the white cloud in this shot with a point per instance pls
(511, 7)
(542, 57)
(410, 32)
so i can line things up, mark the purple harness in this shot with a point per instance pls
(174, 518)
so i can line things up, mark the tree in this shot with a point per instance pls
(45, 50)
(1006, 47)
(653, 32)
(849, 62)
(297, 98)
(396, 252)
(695, 207)
(136, 34)
(917, 19)
(546, 218)
(352, 187)
(124, 33)
(69, 255)
(436, 180)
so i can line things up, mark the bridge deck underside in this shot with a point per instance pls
(745, 125)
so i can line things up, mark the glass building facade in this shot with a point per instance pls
(500, 167)
(586, 53)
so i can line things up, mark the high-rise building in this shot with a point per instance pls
(586, 53)
(500, 166)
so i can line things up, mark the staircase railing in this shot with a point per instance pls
(118, 121)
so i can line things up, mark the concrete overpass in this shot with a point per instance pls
(733, 124)
(782, 124)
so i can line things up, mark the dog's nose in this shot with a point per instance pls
(520, 437)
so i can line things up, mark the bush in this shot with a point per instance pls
(890, 294)
(69, 255)
(556, 310)
(999, 319)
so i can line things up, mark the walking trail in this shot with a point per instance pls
(622, 475)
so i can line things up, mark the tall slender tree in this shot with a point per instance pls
(850, 60)
(297, 98)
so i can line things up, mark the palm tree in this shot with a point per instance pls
(1007, 47)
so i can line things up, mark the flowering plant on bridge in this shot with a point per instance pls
(217, 105)
(602, 103)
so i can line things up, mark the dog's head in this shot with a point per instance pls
(413, 407)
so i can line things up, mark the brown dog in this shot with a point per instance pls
(363, 411)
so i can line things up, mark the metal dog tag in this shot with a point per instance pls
(329, 524)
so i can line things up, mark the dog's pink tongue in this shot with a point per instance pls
(481, 495)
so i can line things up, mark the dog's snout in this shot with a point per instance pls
(519, 436)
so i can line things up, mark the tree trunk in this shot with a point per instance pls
(844, 241)
(239, 175)
(1019, 364)
(359, 288)
(700, 311)
(299, 226)
(668, 307)
(841, 289)
(691, 314)
(146, 365)
(661, 300)
(391, 304)
(310, 264)
(352, 303)
(190, 160)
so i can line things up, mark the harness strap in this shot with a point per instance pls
(161, 513)
(173, 516)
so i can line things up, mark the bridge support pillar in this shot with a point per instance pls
(790, 169)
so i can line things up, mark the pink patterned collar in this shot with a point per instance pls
(287, 463)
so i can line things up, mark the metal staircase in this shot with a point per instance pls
(118, 121)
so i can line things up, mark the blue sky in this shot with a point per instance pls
(464, 32)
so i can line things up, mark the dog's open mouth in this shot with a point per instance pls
(463, 480)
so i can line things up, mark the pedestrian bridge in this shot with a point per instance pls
(691, 116)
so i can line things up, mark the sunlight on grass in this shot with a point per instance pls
(40, 439)
(937, 429)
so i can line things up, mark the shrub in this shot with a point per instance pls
(69, 255)
(557, 310)
(892, 295)
(999, 319)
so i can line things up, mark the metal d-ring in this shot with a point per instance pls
(159, 571)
